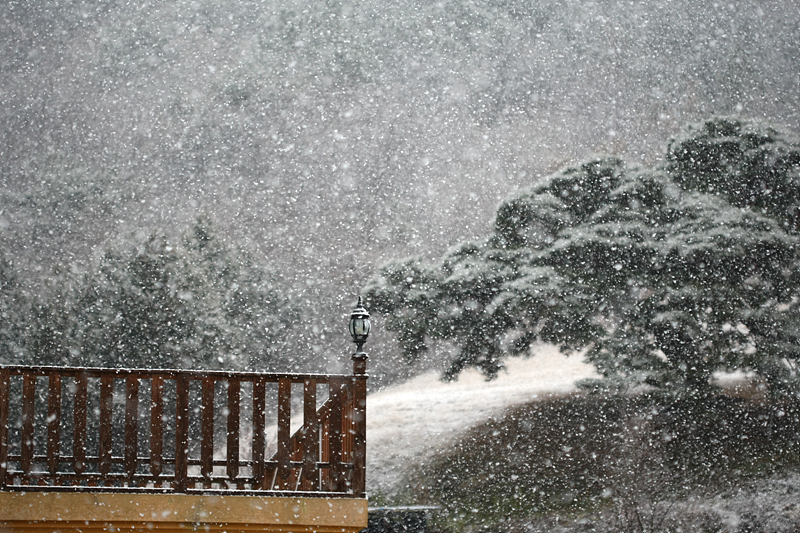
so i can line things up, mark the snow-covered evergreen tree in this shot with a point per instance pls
(242, 317)
(198, 303)
(754, 166)
(151, 302)
(9, 308)
(129, 308)
(663, 277)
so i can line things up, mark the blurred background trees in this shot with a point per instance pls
(151, 302)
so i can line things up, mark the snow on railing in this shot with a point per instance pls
(119, 430)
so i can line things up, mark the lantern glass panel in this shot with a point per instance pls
(359, 327)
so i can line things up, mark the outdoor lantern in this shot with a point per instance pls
(359, 324)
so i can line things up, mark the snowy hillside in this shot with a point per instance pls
(405, 423)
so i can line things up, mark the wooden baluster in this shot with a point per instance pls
(259, 429)
(207, 430)
(28, 413)
(335, 434)
(106, 423)
(311, 423)
(5, 384)
(182, 433)
(79, 424)
(347, 435)
(53, 423)
(234, 394)
(325, 444)
(284, 429)
(156, 425)
(296, 478)
(131, 427)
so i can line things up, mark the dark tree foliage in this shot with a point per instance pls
(749, 164)
(150, 303)
(666, 276)
(10, 300)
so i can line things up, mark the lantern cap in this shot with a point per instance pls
(359, 310)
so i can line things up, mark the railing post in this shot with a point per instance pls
(232, 445)
(156, 426)
(28, 414)
(79, 423)
(53, 422)
(359, 423)
(105, 423)
(182, 433)
(284, 430)
(311, 423)
(336, 397)
(259, 437)
(131, 427)
(207, 431)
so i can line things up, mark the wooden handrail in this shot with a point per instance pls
(112, 430)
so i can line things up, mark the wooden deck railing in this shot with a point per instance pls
(89, 429)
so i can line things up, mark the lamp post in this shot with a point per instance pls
(359, 327)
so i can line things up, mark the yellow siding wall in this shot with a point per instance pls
(39, 512)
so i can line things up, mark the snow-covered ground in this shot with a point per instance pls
(407, 422)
